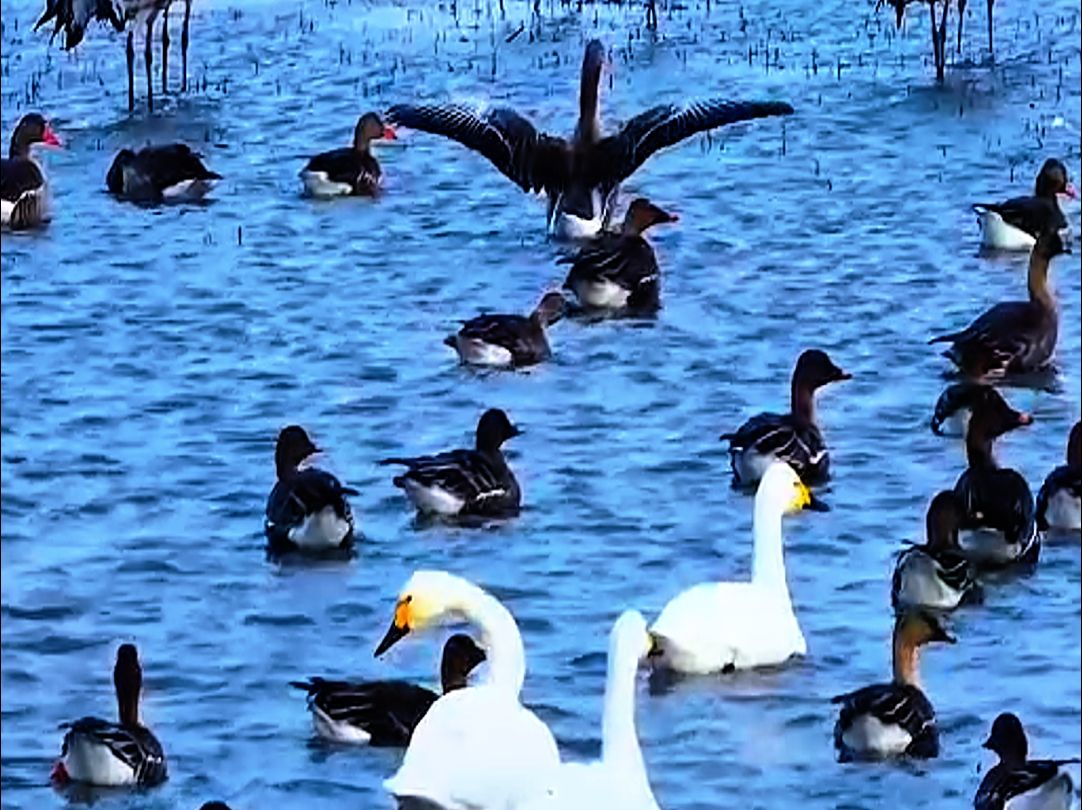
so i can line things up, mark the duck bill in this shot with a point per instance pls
(393, 636)
(389, 134)
(817, 504)
(50, 138)
(1071, 191)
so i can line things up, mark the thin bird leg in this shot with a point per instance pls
(131, 72)
(935, 40)
(148, 59)
(991, 50)
(165, 50)
(961, 19)
(943, 39)
(184, 44)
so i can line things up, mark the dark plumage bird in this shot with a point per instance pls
(1014, 337)
(996, 503)
(792, 437)
(1016, 223)
(385, 713)
(307, 509)
(895, 718)
(166, 173)
(1017, 781)
(23, 192)
(1059, 502)
(936, 574)
(99, 752)
(508, 340)
(581, 174)
(352, 170)
(474, 482)
(955, 406)
(619, 271)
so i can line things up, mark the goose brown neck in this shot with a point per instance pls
(802, 401)
(1037, 281)
(979, 447)
(906, 659)
(588, 130)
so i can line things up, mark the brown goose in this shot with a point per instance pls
(580, 175)
(23, 191)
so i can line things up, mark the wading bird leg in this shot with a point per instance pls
(991, 50)
(961, 19)
(131, 72)
(148, 59)
(165, 50)
(184, 45)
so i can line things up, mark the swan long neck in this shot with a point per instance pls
(588, 130)
(500, 637)
(1037, 281)
(768, 562)
(619, 738)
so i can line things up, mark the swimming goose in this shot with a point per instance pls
(955, 406)
(307, 509)
(937, 574)
(997, 510)
(705, 629)
(98, 752)
(474, 482)
(1016, 223)
(1014, 337)
(385, 713)
(619, 778)
(580, 175)
(166, 173)
(478, 746)
(1059, 501)
(23, 193)
(793, 437)
(896, 718)
(619, 270)
(1019, 783)
(508, 340)
(352, 169)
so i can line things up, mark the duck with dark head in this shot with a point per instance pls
(351, 170)
(24, 200)
(1015, 224)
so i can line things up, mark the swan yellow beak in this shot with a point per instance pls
(401, 624)
(801, 498)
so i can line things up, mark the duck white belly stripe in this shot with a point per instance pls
(187, 190)
(91, 761)
(997, 234)
(1064, 511)
(323, 529)
(868, 733)
(338, 730)
(319, 185)
(480, 353)
(433, 498)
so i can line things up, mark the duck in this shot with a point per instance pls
(936, 575)
(895, 718)
(1013, 337)
(955, 406)
(580, 175)
(307, 508)
(793, 437)
(1059, 501)
(23, 191)
(619, 271)
(618, 778)
(997, 510)
(477, 746)
(1016, 223)
(351, 170)
(169, 172)
(508, 340)
(702, 631)
(385, 713)
(99, 752)
(1017, 782)
(462, 482)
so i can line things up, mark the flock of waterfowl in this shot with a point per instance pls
(476, 745)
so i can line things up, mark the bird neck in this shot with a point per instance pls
(802, 401)
(768, 561)
(1037, 281)
(979, 448)
(588, 130)
(619, 739)
(906, 661)
(500, 637)
(19, 148)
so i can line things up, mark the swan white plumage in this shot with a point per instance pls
(722, 626)
(477, 747)
(619, 778)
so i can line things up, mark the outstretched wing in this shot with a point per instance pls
(667, 125)
(533, 160)
(72, 16)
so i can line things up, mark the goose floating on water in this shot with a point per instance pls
(706, 628)
(580, 175)
(351, 170)
(307, 509)
(1059, 501)
(793, 437)
(619, 271)
(385, 713)
(1016, 223)
(99, 752)
(23, 191)
(896, 718)
(1017, 782)
(478, 746)
(165, 173)
(508, 340)
(936, 574)
(1013, 337)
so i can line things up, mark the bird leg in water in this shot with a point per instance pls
(961, 20)
(991, 50)
(148, 59)
(131, 72)
(184, 46)
(165, 50)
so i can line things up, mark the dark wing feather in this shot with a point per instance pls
(388, 711)
(301, 494)
(1008, 337)
(470, 475)
(72, 16)
(1004, 782)
(513, 332)
(798, 443)
(170, 164)
(17, 177)
(533, 160)
(348, 166)
(135, 746)
(892, 704)
(997, 499)
(955, 569)
(628, 261)
(1062, 478)
(1030, 214)
(666, 125)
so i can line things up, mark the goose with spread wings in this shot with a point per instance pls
(579, 175)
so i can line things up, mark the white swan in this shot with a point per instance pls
(618, 779)
(722, 626)
(477, 747)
